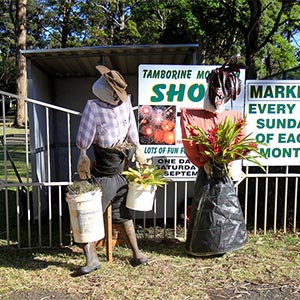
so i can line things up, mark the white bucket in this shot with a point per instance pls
(86, 216)
(139, 198)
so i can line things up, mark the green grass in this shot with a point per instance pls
(9, 128)
(17, 155)
(271, 259)
(266, 261)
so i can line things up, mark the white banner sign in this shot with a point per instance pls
(273, 116)
(162, 91)
(176, 167)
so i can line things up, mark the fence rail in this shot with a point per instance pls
(34, 213)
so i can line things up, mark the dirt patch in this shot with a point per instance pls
(38, 294)
(234, 292)
(250, 291)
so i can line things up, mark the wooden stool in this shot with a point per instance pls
(108, 233)
(113, 234)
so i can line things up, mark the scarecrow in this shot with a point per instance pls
(216, 223)
(108, 124)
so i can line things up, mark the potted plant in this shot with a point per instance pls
(142, 184)
(225, 143)
(217, 223)
(85, 208)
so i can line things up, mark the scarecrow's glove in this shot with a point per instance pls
(208, 169)
(139, 155)
(83, 165)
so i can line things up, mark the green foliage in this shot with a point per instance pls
(7, 74)
(262, 31)
(81, 187)
(146, 174)
(17, 153)
(281, 54)
(150, 18)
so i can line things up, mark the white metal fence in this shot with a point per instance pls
(33, 212)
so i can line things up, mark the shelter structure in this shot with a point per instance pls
(63, 78)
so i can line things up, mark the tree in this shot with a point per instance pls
(7, 49)
(21, 79)
(61, 22)
(262, 31)
(86, 23)
(150, 19)
(227, 27)
(250, 26)
(202, 22)
(8, 40)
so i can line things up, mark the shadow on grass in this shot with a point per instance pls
(37, 259)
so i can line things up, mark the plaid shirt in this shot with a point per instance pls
(106, 125)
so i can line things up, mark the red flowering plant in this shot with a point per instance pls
(225, 143)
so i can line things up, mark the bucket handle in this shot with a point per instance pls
(91, 180)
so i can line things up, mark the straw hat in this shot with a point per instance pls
(115, 80)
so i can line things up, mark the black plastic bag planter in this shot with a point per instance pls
(217, 222)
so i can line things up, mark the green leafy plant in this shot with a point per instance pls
(146, 174)
(226, 142)
(81, 187)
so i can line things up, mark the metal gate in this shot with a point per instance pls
(34, 212)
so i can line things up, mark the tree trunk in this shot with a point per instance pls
(201, 51)
(250, 63)
(21, 80)
(251, 37)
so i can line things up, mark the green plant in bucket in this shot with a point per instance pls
(83, 186)
(146, 174)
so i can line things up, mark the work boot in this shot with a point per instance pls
(92, 262)
(131, 241)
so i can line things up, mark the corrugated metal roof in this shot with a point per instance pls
(79, 62)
